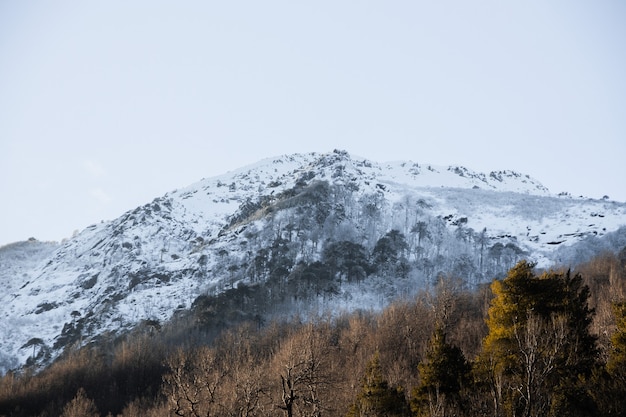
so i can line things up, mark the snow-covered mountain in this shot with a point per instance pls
(308, 231)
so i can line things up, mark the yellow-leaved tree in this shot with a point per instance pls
(539, 353)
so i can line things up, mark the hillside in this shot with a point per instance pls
(293, 234)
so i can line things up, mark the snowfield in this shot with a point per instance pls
(158, 258)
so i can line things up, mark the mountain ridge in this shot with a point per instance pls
(235, 229)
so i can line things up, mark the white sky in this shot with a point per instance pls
(106, 105)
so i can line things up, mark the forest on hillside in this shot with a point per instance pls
(534, 343)
(331, 242)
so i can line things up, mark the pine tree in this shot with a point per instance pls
(389, 254)
(539, 352)
(377, 398)
(442, 376)
(617, 359)
(610, 382)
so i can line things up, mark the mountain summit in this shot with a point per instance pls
(293, 234)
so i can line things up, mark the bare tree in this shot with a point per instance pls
(539, 343)
(193, 383)
(80, 406)
(305, 378)
(246, 384)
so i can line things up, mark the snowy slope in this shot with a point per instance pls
(19, 263)
(157, 259)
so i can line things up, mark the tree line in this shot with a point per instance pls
(302, 222)
(535, 343)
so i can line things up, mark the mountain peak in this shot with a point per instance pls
(339, 165)
(272, 225)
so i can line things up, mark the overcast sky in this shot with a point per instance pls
(106, 105)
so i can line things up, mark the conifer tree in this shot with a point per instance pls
(442, 377)
(610, 382)
(389, 253)
(539, 352)
(617, 359)
(377, 398)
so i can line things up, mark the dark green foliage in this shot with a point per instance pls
(608, 393)
(389, 254)
(612, 381)
(617, 359)
(420, 228)
(539, 352)
(311, 280)
(346, 259)
(443, 374)
(214, 313)
(376, 397)
(280, 262)
(312, 201)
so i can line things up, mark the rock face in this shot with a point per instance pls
(304, 232)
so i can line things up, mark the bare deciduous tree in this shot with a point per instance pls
(539, 344)
(80, 406)
(193, 383)
(305, 377)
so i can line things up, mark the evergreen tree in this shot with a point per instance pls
(617, 359)
(442, 376)
(346, 259)
(389, 253)
(377, 398)
(612, 383)
(539, 352)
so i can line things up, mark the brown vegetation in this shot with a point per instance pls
(336, 366)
